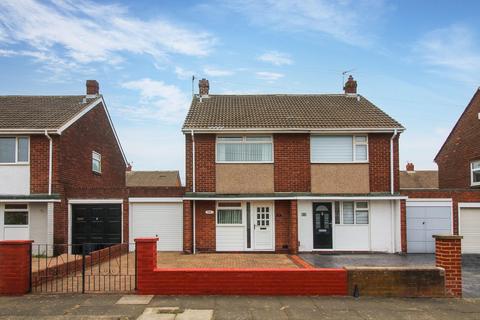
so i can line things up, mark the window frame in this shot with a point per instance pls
(26, 209)
(94, 153)
(355, 209)
(17, 162)
(226, 207)
(472, 170)
(243, 141)
(354, 144)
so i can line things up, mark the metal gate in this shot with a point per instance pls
(101, 267)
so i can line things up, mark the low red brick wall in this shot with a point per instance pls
(152, 280)
(15, 267)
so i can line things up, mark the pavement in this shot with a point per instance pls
(105, 306)
(470, 264)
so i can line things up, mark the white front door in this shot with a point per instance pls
(263, 226)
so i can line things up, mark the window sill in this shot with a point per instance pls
(17, 164)
(97, 173)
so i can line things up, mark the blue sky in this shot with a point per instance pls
(417, 60)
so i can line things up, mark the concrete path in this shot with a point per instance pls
(104, 306)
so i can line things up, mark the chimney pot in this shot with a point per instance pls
(93, 88)
(410, 167)
(350, 86)
(203, 87)
(129, 167)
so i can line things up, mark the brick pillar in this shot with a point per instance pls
(448, 255)
(403, 225)
(15, 267)
(293, 228)
(146, 261)
(187, 226)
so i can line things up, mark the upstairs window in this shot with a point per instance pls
(96, 162)
(14, 150)
(339, 149)
(475, 166)
(244, 149)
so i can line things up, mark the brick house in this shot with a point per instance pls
(289, 173)
(62, 170)
(458, 190)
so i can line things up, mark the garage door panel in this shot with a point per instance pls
(423, 221)
(162, 220)
(470, 230)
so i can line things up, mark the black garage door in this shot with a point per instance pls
(96, 225)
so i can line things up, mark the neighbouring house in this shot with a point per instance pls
(412, 179)
(291, 172)
(62, 170)
(156, 207)
(454, 208)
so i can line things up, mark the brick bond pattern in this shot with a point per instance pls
(448, 255)
(151, 280)
(460, 149)
(72, 171)
(15, 267)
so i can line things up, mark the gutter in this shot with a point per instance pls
(50, 160)
(193, 189)
(392, 184)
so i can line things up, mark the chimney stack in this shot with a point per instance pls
(350, 86)
(410, 167)
(203, 87)
(93, 89)
(129, 167)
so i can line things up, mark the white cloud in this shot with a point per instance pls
(86, 32)
(276, 58)
(452, 51)
(349, 21)
(183, 73)
(269, 76)
(217, 72)
(158, 101)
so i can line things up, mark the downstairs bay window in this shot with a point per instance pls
(244, 149)
(352, 212)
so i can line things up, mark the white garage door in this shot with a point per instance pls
(470, 229)
(162, 220)
(424, 219)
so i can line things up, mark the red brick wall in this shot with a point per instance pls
(456, 196)
(379, 159)
(90, 133)
(448, 255)
(282, 225)
(155, 192)
(292, 162)
(205, 236)
(205, 169)
(15, 267)
(403, 225)
(187, 226)
(151, 280)
(39, 161)
(460, 148)
(293, 227)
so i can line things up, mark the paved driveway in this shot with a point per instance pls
(470, 265)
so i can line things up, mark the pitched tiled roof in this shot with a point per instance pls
(420, 179)
(39, 112)
(323, 111)
(153, 179)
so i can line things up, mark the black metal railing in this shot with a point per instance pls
(104, 267)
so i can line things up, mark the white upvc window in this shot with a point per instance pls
(16, 215)
(353, 212)
(229, 213)
(96, 162)
(475, 173)
(339, 148)
(244, 149)
(14, 150)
